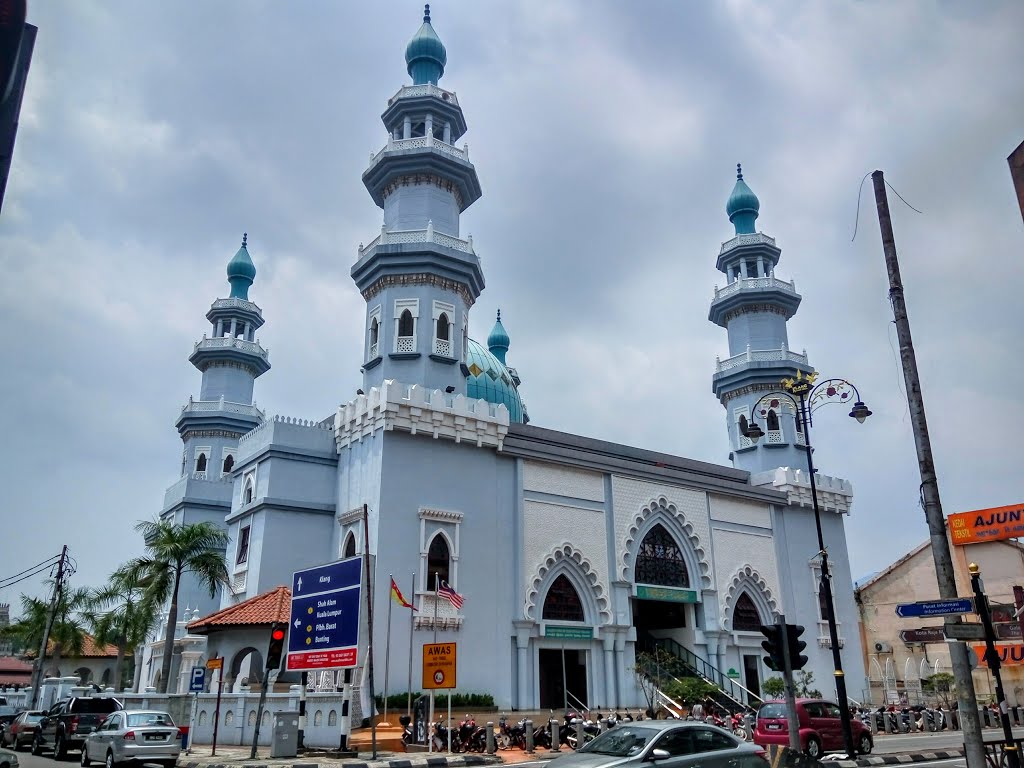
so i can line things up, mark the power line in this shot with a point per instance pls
(47, 562)
(28, 576)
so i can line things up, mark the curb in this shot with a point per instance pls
(903, 758)
(428, 762)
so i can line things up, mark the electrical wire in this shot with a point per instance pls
(46, 563)
(860, 191)
(27, 576)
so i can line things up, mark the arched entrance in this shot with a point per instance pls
(562, 671)
(246, 670)
(665, 597)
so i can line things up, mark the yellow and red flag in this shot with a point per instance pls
(398, 597)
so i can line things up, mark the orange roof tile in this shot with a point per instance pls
(264, 609)
(90, 649)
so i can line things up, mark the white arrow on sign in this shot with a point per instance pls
(300, 583)
(298, 623)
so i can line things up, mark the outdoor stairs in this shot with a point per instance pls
(729, 694)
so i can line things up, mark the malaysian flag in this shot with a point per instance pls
(450, 595)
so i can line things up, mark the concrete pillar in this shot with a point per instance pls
(234, 324)
(524, 695)
(447, 132)
(407, 127)
(529, 736)
(219, 331)
(430, 127)
(610, 698)
(743, 269)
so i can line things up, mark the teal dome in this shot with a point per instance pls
(425, 55)
(490, 380)
(241, 272)
(743, 205)
(497, 340)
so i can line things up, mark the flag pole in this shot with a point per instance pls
(412, 622)
(387, 648)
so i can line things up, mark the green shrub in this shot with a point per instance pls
(397, 701)
(689, 690)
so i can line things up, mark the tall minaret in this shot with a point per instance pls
(419, 277)
(753, 307)
(230, 360)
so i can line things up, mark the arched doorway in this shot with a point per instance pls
(663, 607)
(246, 670)
(562, 671)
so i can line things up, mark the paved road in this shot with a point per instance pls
(26, 760)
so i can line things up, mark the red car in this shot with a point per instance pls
(821, 729)
(21, 730)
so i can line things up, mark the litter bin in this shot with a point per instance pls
(284, 742)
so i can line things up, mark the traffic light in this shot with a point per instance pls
(276, 647)
(773, 647)
(796, 645)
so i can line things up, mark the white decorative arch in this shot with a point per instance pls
(566, 559)
(660, 510)
(748, 580)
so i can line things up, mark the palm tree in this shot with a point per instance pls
(67, 635)
(121, 613)
(171, 552)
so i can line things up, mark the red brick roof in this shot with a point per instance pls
(262, 610)
(90, 649)
(14, 670)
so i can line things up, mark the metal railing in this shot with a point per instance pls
(739, 696)
(575, 701)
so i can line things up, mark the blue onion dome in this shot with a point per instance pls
(497, 340)
(490, 380)
(241, 272)
(425, 55)
(743, 205)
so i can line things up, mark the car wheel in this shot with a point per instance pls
(813, 748)
(170, 764)
(60, 749)
(85, 756)
(110, 760)
(37, 745)
(864, 744)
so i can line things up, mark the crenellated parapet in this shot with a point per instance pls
(834, 493)
(418, 410)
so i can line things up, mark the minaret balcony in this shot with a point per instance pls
(757, 238)
(228, 349)
(755, 283)
(421, 142)
(420, 156)
(225, 406)
(759, 356)
(418, 236)
(427, 89)
(234, 303)
(751, 292)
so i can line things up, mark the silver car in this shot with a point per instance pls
(134, 736)
(665, 744)
(8, 759)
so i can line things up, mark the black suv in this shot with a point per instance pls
(68, 722)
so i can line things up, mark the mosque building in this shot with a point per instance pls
(571, 554)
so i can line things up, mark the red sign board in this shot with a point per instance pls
(342, 657)
(993, 524)
(1010, 655)
(923, 635)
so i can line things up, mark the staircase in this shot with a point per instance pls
(729, 695)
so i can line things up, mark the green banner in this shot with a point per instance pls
(667, 594)
(569, 633)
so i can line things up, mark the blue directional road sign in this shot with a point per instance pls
(935, 607)
(198, 681)
(323, 631)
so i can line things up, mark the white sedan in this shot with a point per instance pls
(134, 736)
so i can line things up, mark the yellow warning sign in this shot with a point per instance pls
(438, 666)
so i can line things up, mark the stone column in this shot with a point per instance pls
(407, 127)
(611, 698)
(447, 132)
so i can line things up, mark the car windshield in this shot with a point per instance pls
(33, 717)
(142, 719)
(621, 741)
(771, 711)
(95, 706)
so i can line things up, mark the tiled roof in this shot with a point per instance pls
(90, 649)
(9, 664)
(264, 609)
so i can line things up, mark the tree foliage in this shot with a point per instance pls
(774, 687)
(690, 690)
(122, 613)
(171, 552)
(941, 685)
(802, 683)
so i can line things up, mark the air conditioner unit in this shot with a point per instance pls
(881, 647)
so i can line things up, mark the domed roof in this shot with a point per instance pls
(743, 205)
(490, 380)
(425, 55)
(497, 340)
(241, 272)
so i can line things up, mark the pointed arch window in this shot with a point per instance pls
(201, 462)
(444, 327)
(374, 337)
(406, 313)
(772, 420)
(247, 490)
(350, 545)
(660, 560)
(438, 562)
(562, 602)
(229, 463)
(405, 324)
(745, 616)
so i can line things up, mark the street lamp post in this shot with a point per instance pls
(804, 396)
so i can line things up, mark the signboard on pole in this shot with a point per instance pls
(935, 607)
(438, 666)
(323, 629)
(216, 663)
(198, 680)
(923, 635)
(1010, 655)
(993, 524)
(965, 631)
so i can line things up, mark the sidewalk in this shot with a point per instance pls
(238, 757)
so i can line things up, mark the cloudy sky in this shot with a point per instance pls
(605, 135)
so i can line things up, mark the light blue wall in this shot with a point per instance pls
(764, 455)
(761, 330)
(421, 472)
(421, 370)
(232, 382)
(413, 206)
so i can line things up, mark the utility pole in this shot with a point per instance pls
(973, 747)
(37, 676)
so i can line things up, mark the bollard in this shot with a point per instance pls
(1016, 715)
(888, 719)
(954, 719)
(553, 727)
(748, 726)
(985, 715)
(490, 739)
(913, 721)
(579, 732)
(529, 736)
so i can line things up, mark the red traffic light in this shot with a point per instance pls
(277, 634)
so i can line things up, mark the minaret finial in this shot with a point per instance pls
(426, 13)
(499, 314)
(739, 171)
(245, 237)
